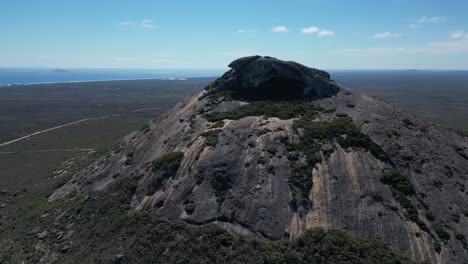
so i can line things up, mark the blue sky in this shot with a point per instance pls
(392, 34)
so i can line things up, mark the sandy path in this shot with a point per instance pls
(70, 124)
(46, 150)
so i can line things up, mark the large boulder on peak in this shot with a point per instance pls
(260, 78)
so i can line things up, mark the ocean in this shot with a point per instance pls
(10, 76)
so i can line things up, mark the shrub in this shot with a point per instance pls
(391, 207)
(342, 129)
(211, 137)
(217, 124)
(190, 208)
(430, 216)
(129, 160)
(272, 151)
(104, 227)
(199, 177)
(164, 167)
(461, 238)
(261, 160)
(441, 231)
(293, 156)
(282, 110)
(377, 197)
(396, 180)
(407, 122)
(145, 128)
(221, 184)
(169, 163)
(262, 132)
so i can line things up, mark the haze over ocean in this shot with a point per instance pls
(43, 75)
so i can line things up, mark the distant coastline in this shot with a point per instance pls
(107, 80)
(26, 76)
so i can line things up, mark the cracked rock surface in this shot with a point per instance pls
(250, 157)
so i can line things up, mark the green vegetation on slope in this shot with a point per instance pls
(211, 137)
(282, 110)
(168, 163)
(395, 179)
(313, 134)
(402, 187)
(98, 227)
(164, 167)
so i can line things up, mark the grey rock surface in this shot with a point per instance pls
(259, 77)
(42, 234)
(345, 183)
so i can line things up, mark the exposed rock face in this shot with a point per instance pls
(238, 172)
(259, 77)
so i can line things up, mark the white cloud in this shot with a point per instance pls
(459, 34)
(250, 30)
(413, 26)
(310, 30)
(430, 20)
(145, 23)
(326, 33)
(280, 29)
(387, 35)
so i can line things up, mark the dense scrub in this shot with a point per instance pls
(395, 179)
(402, 188)
(282, 110)
(211, 137)
(313, 134)
(103, 227)
(164, 167)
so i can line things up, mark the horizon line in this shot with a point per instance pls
(227, 68)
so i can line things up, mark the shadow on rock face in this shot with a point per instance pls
(275, 89)
(267, 78)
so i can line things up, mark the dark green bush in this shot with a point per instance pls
(282, 110)
(430, 216)
(217, 124)
(190, 208)
(377, 197)
(129, 160)
(262, 132)
(164, 167)
(441, 231)
(104, 227)
(461, 238)
(261, 160)
(342, 129)
(221, 184)
(199, 177)
(169, 162)
(396, 180)
(211, 137)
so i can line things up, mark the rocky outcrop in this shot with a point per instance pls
(268, 78)
(237, 170)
